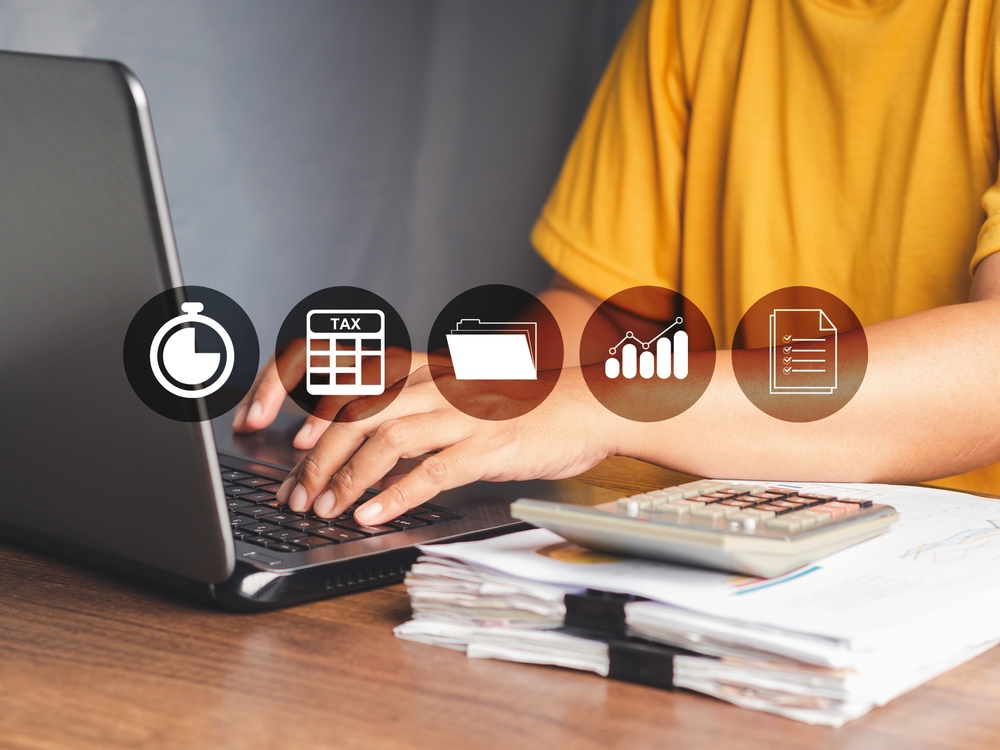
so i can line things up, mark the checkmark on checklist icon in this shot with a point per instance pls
(788, 349)
(787, 360)
(787, 338)
(788, 370)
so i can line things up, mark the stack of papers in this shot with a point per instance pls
(823, 644)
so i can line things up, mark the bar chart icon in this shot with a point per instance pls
(663, 356)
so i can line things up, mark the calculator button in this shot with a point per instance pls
(820, 516)
(786, 524)
(671, 512)
(704, 485)
(713, 512)
(757, 514)
(809, 496)
(768, 497)
(788, 504)
(859, 503)
(838, 509)
(738, 503)
(778, 510)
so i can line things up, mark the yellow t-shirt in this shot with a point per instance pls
(735, 147)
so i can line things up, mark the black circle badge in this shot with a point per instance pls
(647, 353)
(341, 344)
(495, 352)
(191, 353)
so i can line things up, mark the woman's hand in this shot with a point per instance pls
(276, 379)
(567, 434)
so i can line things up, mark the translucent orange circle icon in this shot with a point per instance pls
(648, 353)
(800, 354)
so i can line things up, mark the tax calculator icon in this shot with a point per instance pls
(345, 352)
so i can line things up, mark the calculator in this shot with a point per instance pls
(754, 529)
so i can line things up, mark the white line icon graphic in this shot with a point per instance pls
(181, 358)
(494, 351)
(670, 356)
(803, 352)
(345, 352)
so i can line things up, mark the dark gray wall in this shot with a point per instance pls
(405, 147)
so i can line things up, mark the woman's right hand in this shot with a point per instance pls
(277, 378)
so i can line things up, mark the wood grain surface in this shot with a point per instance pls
(88, 661)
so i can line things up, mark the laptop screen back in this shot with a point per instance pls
(81, 250)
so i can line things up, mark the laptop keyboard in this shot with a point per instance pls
(257, 517)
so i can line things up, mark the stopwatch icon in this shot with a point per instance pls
(185, 371)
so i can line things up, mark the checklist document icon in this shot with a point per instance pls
(803, 352)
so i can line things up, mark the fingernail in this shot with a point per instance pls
(255, 410)
(324, 504)
(240, 416)
(368, 513)
(298, 499)
(284, 489)
(307, 428)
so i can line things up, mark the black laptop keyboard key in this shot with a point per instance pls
(436, 516)
(261, 541)
(253, 481)
(305, 524)
(258, 527)
(235, 489)
(236, 519)
(283, 547)
(270, 487)
(241, 535)
(231, 475)
(403, 522)
(353, 525)
(237, 502)
(311, 542)
(282, 519)
(285, 535)
(257, 496)
(255, 511)
(337, 535)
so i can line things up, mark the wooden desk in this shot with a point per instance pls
(91, 662)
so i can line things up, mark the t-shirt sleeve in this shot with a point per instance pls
(613, 219)
(989, 235)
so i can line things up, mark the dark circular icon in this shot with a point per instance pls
(341, 344)
(191, 353)
(495, 352)
(647, 353)
(800, 354)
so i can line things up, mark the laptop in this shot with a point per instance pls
(92, 474)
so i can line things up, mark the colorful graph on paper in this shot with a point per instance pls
(978, 544)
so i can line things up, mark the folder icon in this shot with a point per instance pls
(494, 351)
